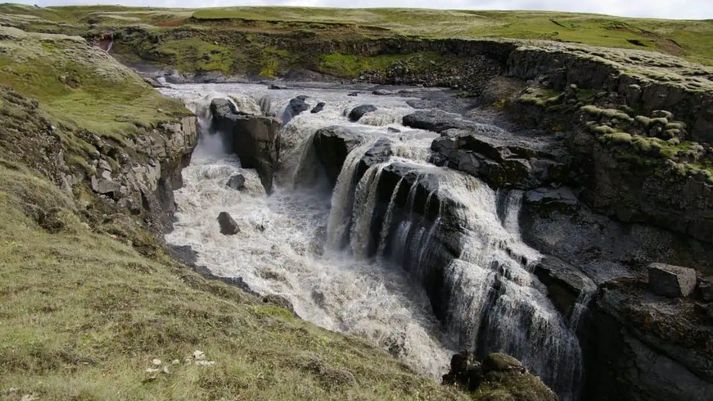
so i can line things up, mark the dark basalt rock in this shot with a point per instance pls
(498, 158)
(671, 281)
(436, 120)
(253, 138)
(183, 253)
(358, 112)
(236, 182)
(641, 347)
(319, 107)
(565, 283)
(465, 370)
(547, 200)
(331, 147)
(294, 108)
(228, 226)
(705, 286)
(384, 92)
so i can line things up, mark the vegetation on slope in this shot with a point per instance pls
(690, 39)
(91, 308)
(85, 316)
(79, 85)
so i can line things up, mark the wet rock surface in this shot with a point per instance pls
(253, 138)
(646, 347)
(236, 182)
(294, 108)
(501, 159)
(358, 112)
(228, 226)
(331, 146)
(436, 120)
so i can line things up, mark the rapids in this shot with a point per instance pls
(317, 247)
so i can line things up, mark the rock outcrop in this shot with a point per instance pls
(255, 139)
(331, 147)
(641, 349)
(499, 374)
(671, 281)
(294, 108)
(501, 159)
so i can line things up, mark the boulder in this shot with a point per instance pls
(104, 186)
(465, 370)
(435, 120)
(228, 226)
(353, 94)
(499, 377)
(671, 281)
(294, 108)
(383, 92)
(236, 181)
(359, 111)
(319, 107)
(548, 199)
(499, 362)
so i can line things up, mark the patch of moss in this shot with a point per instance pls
(350, 65)
(79, 85)
(195, 54)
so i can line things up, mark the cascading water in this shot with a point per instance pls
(455, 240)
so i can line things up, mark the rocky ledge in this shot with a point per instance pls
(254, 138)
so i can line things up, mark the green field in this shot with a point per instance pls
(690, 39)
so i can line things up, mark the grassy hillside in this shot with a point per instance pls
(83, 317)
(92, 308)
(83, 314)
(692, 40)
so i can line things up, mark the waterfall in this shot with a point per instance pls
(342, 201)
(417, 259)
(494, 302)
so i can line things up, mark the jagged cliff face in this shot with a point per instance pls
(536, 281)
(616, 174)
(410, 214)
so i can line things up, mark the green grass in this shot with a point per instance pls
(196, 55)
(690, 39)
(84, 315)
(79, 85)
(351, 65)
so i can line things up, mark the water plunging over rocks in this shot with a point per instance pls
(417, 257)
(423, 231)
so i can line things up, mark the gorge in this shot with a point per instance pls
(339, 210)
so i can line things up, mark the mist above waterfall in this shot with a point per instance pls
(420, 260)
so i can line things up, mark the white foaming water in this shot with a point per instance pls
(352, 284)
(279, 248)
